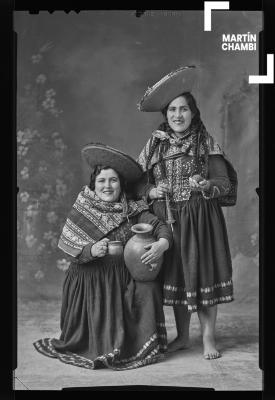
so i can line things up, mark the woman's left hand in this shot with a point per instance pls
(198, 182)
(155, 251)
(204, 184)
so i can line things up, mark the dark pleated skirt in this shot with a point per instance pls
(108, 319)
(197, 270)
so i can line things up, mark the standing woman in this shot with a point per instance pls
(107, 318)
(186, 180)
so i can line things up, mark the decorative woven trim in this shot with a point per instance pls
(162, 335)
(176, 302)
(216, 286)
(191, 294)
(44, 346)
(144, 347)
(216, 300)
(194, 307)
(202, 290)
(174, 288)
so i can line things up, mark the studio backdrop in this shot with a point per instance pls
(79, 79)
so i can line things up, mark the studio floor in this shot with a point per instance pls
(237, 338)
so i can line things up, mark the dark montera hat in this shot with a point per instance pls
(168, 88)
(100, 154)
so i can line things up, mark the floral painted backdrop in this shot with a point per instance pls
(45, 175)
(79, 80)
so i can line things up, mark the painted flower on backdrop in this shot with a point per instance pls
(63, 264)
(31, 210)
(22, 151)
(53, 243)
(61, 188)
(24, 137)
(36, 58)
(51, 217)
(24, 196)
(38, 131)
(44, 196)
(42, 168)
(60, 147)
(49, 102)
(20, 136)
(40, 248)
(30, 241)
(25, 173)
(49, 235)
(39, 275)
(60, 144)
(41, 79)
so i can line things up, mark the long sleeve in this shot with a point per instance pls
(144, 185)
(84, 257)
(160, 229)
(218, 176)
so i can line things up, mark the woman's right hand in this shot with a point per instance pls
(159, 191)
(99, 249)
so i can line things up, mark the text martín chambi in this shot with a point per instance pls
(239, 42)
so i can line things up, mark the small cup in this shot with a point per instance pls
(115, 248)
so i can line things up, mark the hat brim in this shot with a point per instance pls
(99, 154)
(168, 88)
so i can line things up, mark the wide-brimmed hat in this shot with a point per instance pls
(168, 88)
(100, 154)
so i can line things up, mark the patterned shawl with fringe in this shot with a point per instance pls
(195, 141)
(91, 219)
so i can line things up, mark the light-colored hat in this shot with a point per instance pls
(100, 154)
(168, 88)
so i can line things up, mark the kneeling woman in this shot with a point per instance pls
(107, 318)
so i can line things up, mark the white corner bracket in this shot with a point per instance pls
(212, 5)
(269, 77)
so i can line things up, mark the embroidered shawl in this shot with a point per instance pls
(184, 142)
(91, 219)
(196, 142)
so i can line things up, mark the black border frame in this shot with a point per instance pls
(266, 274)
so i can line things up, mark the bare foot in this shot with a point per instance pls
(178, 344)
(210, 351)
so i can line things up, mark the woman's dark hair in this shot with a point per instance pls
(124, 190)
(164, 126)
(190, 101)
(97, 171)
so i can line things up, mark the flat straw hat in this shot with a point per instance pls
(168, 88)
(100, 154)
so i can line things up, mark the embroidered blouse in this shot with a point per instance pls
(179, 160)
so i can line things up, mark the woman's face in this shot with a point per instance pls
(107, 185)
(179, 115)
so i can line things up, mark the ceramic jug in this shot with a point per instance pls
(134, 249)
(115, 248)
